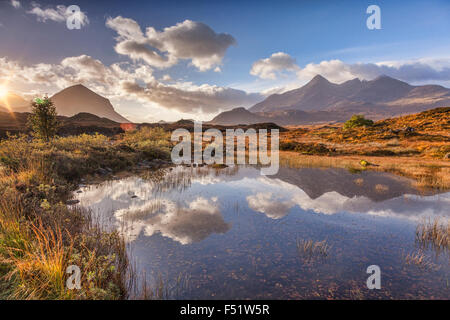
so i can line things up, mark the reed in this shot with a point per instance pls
(311, 249)
(434, 233)
(420, 260)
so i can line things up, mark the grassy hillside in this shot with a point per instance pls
(426, 134)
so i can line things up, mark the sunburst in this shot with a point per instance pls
(3, 91)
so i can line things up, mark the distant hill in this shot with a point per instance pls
(80, 123)
(237, 116)
(86, 119)
(69, 102)
(322, 101)
(78, 98)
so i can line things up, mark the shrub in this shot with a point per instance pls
(152, 142)
(357, 121)
(43, 119)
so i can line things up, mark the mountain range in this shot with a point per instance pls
(319, 101)
(323, 101)
(69, 102)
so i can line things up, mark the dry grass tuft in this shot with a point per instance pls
(381, 188)
(310, 249)
(420, 260)
(434, 233)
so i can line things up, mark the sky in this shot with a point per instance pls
(166, 60)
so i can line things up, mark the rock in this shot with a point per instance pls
(394, 131)
(109, 169)
(72, 202)
(409, 129)
(102, 171)
(447, 156)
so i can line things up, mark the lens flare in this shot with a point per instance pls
(3, 91)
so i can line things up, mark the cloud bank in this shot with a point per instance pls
(187, 40)
(413, 71)
(127, 80)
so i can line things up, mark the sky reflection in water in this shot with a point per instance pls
(234, 232)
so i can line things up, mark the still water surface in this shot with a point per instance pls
(234, 234)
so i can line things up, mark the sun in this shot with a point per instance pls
(3, 91)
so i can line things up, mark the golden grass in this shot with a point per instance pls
(424, 135)
(40, 236)
(40, 266)
(434, 233)
(420, 260)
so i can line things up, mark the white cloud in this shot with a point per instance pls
(184, 224)
(58, 14)
(187, 40)
(16, 4)
(275, 197)
(187, 97)
(126, 81)
(272, 206)
(277, 63)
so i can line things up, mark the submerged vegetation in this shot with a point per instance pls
(310, 249)
(420, 260)
(434, 233)
(40, 236)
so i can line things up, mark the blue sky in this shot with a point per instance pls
(413, 44)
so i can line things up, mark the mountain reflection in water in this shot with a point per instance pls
(208, 222)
